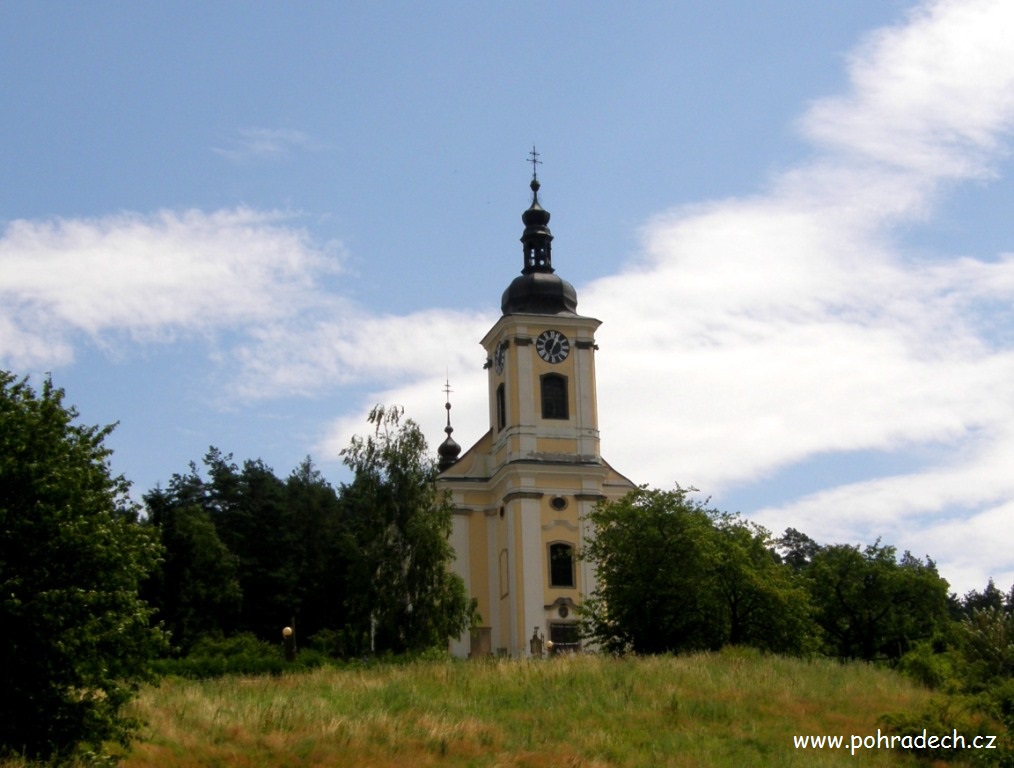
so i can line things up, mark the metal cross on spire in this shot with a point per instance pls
(534, 160)
(447, 404)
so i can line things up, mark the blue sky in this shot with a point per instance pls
(243, 225)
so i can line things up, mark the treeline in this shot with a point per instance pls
(677, 576)
(356, 569)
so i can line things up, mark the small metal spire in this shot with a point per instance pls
(449, 449)
(447, 395)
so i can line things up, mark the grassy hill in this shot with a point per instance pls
(729, 709)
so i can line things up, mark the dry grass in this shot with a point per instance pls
(726, 709)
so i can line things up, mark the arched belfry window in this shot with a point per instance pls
(561, 565)
(554, 397)
(501, 407)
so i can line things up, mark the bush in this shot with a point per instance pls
(943, 717)
(241, 654)
(937, 670)
(338, 643)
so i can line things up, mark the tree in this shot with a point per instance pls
(766, 605)
(263, 537)
(991, 598)
(196, 591)
(871, 604)
(76, 637)
(249, 552)
(324, 553)
(987, 643)
(676, 576)
(401, 589)
(232, 551)
(797, 549)
(650, 551)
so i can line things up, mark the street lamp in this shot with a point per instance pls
(289, 641)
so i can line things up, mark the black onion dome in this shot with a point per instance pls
(538, 290)
(539, 293)
(448, 452)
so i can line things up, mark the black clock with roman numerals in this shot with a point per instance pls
(552, 346)
(500, 356)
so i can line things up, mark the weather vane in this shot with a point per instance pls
(535, 162)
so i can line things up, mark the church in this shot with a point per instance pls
(521, 492)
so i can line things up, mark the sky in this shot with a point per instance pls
(243, 225)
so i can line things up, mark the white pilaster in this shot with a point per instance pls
(532, 554)
(461, 646)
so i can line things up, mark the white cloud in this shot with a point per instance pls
(248, 282)
(150, 277)
(264, 144)
(806, 337)
(933, 96)
(349, 347)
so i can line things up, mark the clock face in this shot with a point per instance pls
(500, 356)
(552, 346)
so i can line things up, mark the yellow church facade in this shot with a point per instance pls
(522, 492)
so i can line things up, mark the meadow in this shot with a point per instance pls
(734, 708)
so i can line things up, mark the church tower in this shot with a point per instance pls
(521, 492)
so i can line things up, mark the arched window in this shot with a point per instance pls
(554, 397)
(501, 408)
(561, 565)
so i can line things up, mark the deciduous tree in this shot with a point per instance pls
(674, 575)
(872, 604)
(401, 587)
(75, 637)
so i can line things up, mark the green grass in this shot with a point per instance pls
(731, 709)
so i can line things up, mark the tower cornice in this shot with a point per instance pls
(520, 324)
